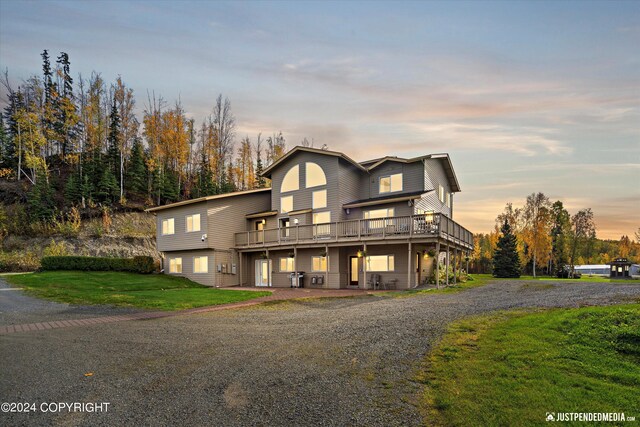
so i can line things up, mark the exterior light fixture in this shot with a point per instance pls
(360, 254)
(264, 221)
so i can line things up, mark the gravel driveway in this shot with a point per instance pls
(334, 362)
(18, 308)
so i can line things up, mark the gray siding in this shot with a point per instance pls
(302, 198)
(212, 277)
(349, 188)
(226, 216)
(434, 175)
(412, 178)
(181, 240)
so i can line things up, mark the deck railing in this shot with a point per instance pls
(397, 227)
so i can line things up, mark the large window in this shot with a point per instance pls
(377, 214)
(441, 193)
(391, 183)
(314, 175)
(193, 222)
(380, 263)
(287, 265)
(319, 199)
(286, 204)
(322, 218)
(175, 265)
(319, 263)
(200, 264)
(168, 226)
(291, 181)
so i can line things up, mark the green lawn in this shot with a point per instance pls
(512, 368)
(152, 291)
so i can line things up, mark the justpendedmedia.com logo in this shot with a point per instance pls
(588, 416)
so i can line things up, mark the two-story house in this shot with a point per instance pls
(343, 223)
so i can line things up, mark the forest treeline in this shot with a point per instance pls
(78, 143)
(549, 238)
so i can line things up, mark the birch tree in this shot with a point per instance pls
(536, 228)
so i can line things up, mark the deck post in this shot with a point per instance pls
(467, 259)
(326, 267)
(268, 269)
(447, 269)
(438, 264)
(364, 266)
(455, 265)
(409, 267)
(295, 264)
(239, 268)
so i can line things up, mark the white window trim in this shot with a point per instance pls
(162, 226)
(186, 222)
(287, 263)
(323, 270)
(206, 264)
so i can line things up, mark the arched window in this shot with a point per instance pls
(315, 175)
(291, 180)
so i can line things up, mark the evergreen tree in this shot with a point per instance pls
(506, 262)
(169, 190)
(108, 189)
(40, 200)
(137, 172)
(113, 146)
(66, 116)
(8, 159)
(559, 236)
(73, 189)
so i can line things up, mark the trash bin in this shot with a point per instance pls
(297, 282)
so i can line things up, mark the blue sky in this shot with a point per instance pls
(524, 96)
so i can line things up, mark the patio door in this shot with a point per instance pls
(263, 267)
(354, 271)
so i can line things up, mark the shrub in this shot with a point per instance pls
(55, 249)
(18, 261)
(138, 264)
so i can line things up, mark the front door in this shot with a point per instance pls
(263, 268)
(354, 272)
(259, 227)
(419, 267)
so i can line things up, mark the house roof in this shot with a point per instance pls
(206, 198)
(403, 197)
(267, 172)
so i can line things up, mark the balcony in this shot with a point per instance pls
(392, 228)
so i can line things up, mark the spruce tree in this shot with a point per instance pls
(506, 262)
(137, 172)
(40, 200)
(7, 149)
(108, 189)
(113, 145)
(73, 189)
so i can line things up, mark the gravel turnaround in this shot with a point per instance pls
(18, 308)
(328, 362)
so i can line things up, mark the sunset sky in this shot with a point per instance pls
(524, 96)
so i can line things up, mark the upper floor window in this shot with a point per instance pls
(449, 199)
(319, 199)
(193, 222)
(314, 175)
(287, 264)
(286, 204)
(319, 263)
(376, 214)
(391, 183)
(380, 263)
(441, 193)
(291, 181)
(321, 217)
(200, 264)
(168, 226)
(175, 265)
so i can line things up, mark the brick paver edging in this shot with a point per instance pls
(277, 295)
